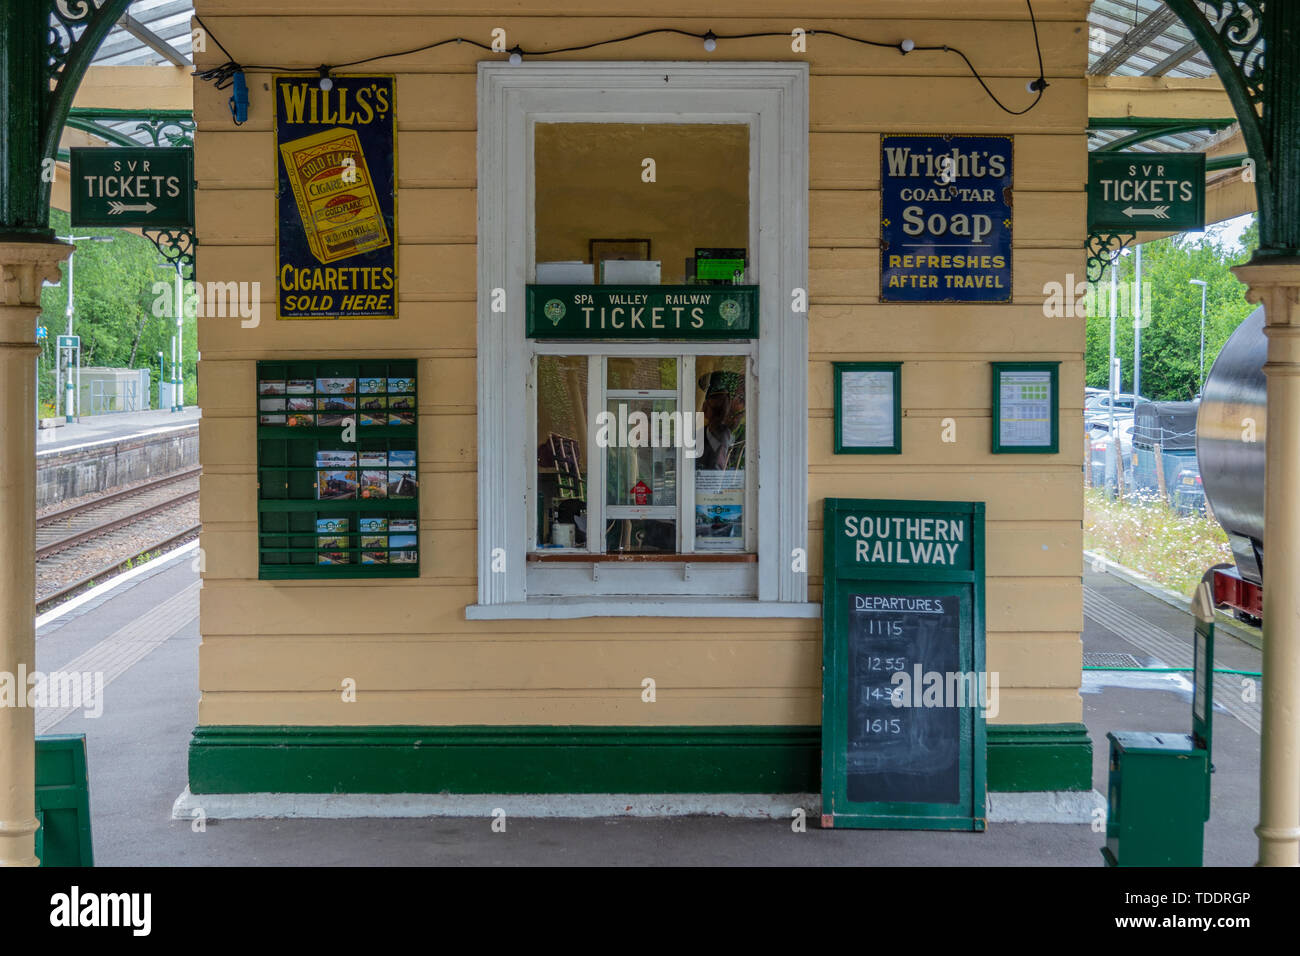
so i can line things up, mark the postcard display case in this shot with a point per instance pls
(330, 508)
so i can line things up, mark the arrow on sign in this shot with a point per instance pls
(1159, 212)
(116, 208)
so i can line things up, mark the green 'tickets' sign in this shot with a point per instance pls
(119, 186)
(642, 312)
(1133, 191)
(904, 691)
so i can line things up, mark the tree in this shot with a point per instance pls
(1171, 333)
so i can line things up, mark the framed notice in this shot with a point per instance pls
(336, 205)
(868, 408)
(1026, 413)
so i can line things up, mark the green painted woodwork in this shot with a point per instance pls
(151, 186)
(1156, 800)
(896, 368)
(546, 759)
(1053, 402)
(623, 312)
(851, 569)
(1146, 128)
(504, 759)
(63, 801)
(24, 200)
(1034, 757)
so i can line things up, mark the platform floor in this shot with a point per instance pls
(114, 425)
(137, 755)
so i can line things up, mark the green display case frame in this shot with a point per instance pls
(839, 368)
(1054, 446)
(965, 582)
(287, 506)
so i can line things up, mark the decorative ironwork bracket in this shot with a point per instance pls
(70, 55)
(177, 245)
(1234, 42)
(1103, 248)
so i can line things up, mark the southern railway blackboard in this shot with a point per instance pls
(904, 689)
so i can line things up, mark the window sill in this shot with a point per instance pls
(542, 609)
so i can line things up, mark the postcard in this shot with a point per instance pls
(374, 459)
(373, 541)
(333, 557)
(299, 404)
(332, 525)
(372, 403)
(365, 419)
(271, 388)
(402, 484)
(374, 484)
(333, 421)
(332, 541)
(402, 541)
(401, 458)
(270, 419)
(372, 525)
(302, 420)
(401, 401)
(401, 524)
(331, 485)
(374, 557)
(370, 385)
(401, 418)
(301, 386)
(328, 458)
(270, 404)
(336, 386)
(336, 403)
(401, 385)
(403, 557)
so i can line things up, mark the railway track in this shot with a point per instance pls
(79, 545)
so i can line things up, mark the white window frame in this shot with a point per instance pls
(773, 99)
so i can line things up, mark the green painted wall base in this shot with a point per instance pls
(1026, 757)
(741, 759)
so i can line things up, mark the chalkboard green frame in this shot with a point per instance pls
(1054, 404)
(844, 575)
(287, 506)
(896, 448)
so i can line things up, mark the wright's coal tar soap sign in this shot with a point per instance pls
(945, 218)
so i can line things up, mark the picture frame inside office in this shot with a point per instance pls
(868, 408)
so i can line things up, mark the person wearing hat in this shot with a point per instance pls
(723, 442)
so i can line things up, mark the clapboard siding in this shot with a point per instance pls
(276, 652)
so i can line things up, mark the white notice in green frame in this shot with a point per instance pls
(1025, 407)
(868, 413)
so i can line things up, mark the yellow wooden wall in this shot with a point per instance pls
(278, 652)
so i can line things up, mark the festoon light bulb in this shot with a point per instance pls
(326, 83)
(710, 41)
(907, 46)
(516, 56)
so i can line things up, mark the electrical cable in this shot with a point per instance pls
(223, 75)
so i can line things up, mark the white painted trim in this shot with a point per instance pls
(1045, 806)
(343, 806)
(773, 99)
(563, 609)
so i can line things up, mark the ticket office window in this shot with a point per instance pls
(642, 174)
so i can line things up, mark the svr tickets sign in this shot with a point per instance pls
(336, 221)
(945, 218)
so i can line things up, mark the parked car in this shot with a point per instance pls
(1186, 492)
(1100, 440)
(1096, 404)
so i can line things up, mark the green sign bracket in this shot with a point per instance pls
(640, 312)
(1102, 249)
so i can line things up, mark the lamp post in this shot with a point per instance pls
(178, 346)
(1200, 381)
(68, 393)
(160, 380)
